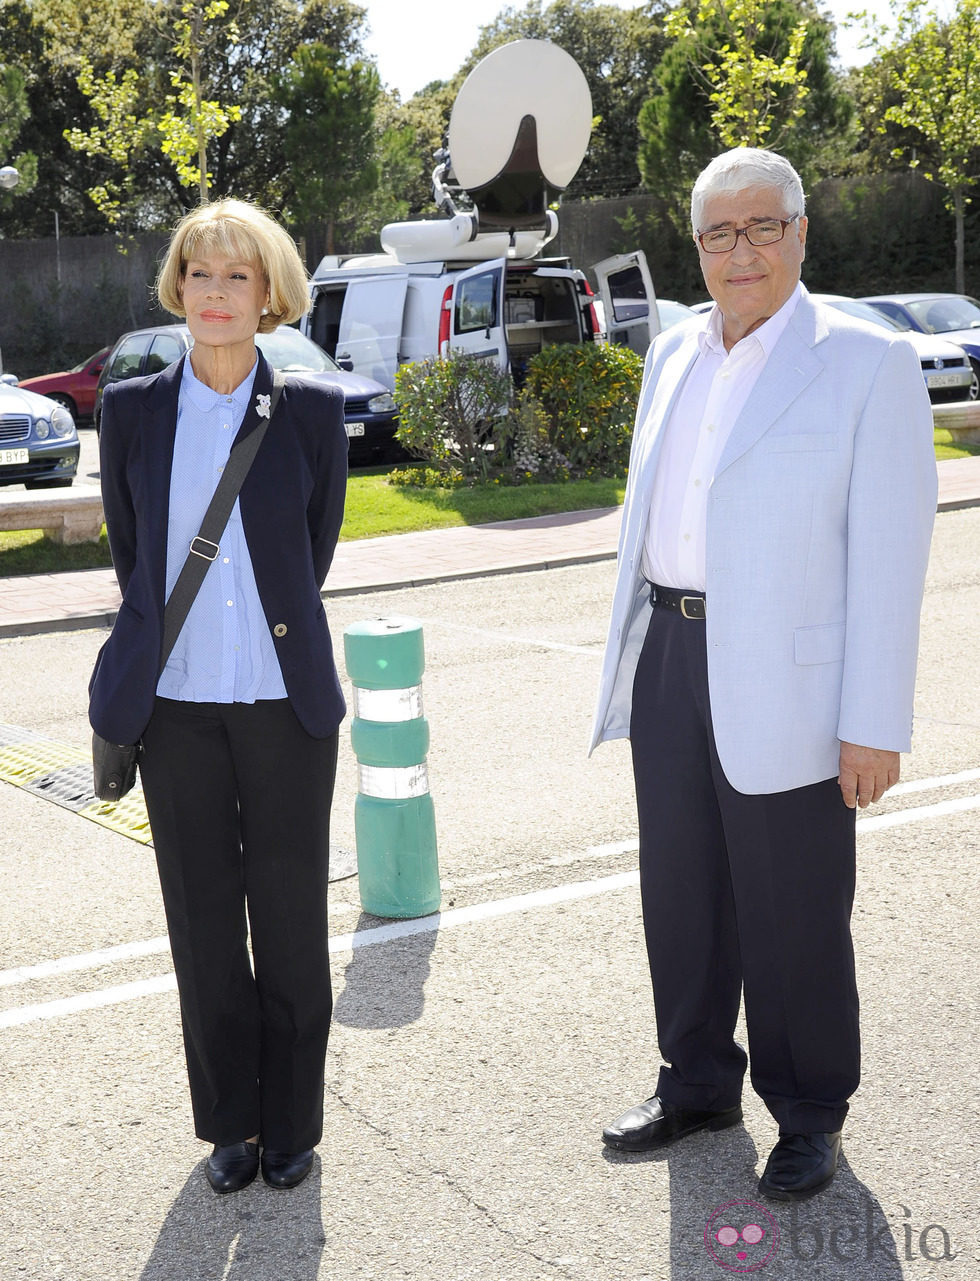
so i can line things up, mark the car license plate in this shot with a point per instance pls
(355, 429)
(10, 457)
(948, 380)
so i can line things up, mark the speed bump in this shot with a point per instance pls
(62, 773)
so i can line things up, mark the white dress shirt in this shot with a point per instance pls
(710, 401)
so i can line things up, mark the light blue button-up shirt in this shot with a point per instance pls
(224, 653)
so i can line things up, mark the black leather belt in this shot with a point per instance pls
(688, 604)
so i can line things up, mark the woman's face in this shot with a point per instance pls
(223, 297)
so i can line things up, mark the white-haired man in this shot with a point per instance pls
(781, 495)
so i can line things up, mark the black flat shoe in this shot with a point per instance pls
(232, 1167)
(800, 1165)
(654, 1124)
(286, 1169)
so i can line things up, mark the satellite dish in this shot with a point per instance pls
(519, 131)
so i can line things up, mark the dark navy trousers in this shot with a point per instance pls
(238, 797)
(742, 895)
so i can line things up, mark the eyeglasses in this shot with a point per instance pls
(724, 239)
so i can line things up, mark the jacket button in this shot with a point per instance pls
(280, 629)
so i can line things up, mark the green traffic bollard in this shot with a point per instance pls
(394, 821)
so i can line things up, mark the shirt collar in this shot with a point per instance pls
(205, 398)
(767, 335)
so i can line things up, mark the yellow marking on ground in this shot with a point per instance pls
(23, 763)
(128, 817)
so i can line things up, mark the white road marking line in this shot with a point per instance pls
(898, 817)
(929, 784)
(534, 642)
(88, 1001)
(380, 934)
(342, 943)
(84, 961)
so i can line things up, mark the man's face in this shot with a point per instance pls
(750, 283)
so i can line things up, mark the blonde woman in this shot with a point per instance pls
(239, 730)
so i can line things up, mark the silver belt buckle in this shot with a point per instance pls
(204, 543)
(697, 601)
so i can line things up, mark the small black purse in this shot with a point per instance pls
(113, 768)
(114, 764)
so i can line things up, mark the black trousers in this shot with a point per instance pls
(740, 892)
(238, 797)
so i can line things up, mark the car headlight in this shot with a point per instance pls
(383, 404)
(62, 422)
(42, 428)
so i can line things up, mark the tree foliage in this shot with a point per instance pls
(740, 70)
(14, 112)
(330, 102)
(936, 78)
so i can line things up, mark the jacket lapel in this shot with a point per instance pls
(261, 388)
(158, 430)
(791, 367)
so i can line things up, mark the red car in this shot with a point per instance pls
(75, 389)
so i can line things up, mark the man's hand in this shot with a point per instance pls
(866, 774)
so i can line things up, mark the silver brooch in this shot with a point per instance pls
(263, 406)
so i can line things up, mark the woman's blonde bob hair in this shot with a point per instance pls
(237, 229)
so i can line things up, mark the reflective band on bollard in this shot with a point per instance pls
(394, 821)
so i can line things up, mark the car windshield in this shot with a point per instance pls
(940, 315)
(289, 350)
(864, 311)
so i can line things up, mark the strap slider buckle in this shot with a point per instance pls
(200, 547)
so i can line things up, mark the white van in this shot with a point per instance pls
(474, 280)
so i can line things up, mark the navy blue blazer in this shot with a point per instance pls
(292, 505)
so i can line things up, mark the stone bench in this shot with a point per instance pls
(66, 515)
(962, 421)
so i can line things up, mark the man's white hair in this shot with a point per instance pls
(744, 167)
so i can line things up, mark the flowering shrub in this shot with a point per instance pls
(453, 412)
(573, 417)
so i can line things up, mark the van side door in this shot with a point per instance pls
(628, 300)
(477, 312)
(369, 328)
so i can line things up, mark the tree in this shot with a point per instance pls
(937, 79)
(330, 101)
(740, 70)
(191, 120)
(14, 112)
(756, 85)
(247, 46)
(181, 129)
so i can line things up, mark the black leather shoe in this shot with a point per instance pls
(286, 1169)
(800, 1165)
(654, 1124)
(232, 1167)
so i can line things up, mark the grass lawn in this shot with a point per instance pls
(375, 508)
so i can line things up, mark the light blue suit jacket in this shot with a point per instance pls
(818, 528)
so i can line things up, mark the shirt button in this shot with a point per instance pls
(226, 426)
(280, 629)
(229, 603)
(226, 559)
(697, 484)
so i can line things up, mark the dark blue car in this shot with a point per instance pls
(369, 408)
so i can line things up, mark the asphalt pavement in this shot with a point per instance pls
(476, 1054)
